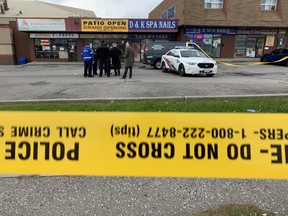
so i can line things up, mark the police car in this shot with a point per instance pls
(188, 61)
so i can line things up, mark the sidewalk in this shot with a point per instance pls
(237, 60)
(229, 60)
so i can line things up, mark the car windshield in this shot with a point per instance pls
(191, 53)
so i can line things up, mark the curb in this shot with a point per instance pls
(184, 98)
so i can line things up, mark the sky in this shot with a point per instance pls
(112, 8)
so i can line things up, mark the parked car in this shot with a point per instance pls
(278, 56)
(153, 51)
(188, 61)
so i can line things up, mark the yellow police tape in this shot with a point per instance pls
(211, 145)
(229, 64)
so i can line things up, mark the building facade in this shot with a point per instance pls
(59, 33)
(229, 28)
(16, 42)
(58, 39)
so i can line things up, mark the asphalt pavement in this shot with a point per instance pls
(44, 81)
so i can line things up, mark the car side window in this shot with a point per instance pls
(278, 51)
(170, 53)
(177, 53)
(285, 51)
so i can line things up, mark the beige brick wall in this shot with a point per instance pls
(6, 41)
(236, 13)
(6, 36)
(6, 49)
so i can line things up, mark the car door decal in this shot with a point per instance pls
(170, 65)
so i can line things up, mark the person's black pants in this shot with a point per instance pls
(117, 69)
(104, 65)
(95, 67)
(88, 68)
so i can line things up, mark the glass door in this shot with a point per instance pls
(207, 44)
(72, 53)
(251, 47)
(260, 46)
(216, 48)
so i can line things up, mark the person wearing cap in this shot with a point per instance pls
(103, 55)
(88, 58)
(115, 55)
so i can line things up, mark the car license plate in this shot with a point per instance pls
(207, 71)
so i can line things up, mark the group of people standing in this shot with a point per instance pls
(101, 57)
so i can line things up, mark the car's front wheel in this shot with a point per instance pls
(164, 69)
(181, 70)
(264, 59)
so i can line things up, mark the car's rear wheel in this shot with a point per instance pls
(164, 69)
(181, 70)
(157, 64)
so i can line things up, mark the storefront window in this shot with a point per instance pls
(250, 46)
(210, 43)
(96, 42)
(51, 48)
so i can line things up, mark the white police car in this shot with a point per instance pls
(188, 61)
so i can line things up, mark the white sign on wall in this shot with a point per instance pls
(41, 24)
(45, 35)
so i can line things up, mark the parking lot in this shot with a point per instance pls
(92, 195)
(66, 82)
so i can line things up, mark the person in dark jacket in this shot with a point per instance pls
(88, 58)
(103, 55)
(115, 55)
(95, 64)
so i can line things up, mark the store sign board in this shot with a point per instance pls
(41, 24)
(257, 31)
(207, 145)
(139, 37)
(210, 31)
(40, 35)
(104, 25)
(165, 25)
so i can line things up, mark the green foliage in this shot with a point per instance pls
(234, 210)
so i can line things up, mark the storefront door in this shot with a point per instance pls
(260, 46)
(72, 54)
(251, 47)
(216, 48)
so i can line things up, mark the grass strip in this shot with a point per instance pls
(261, 105)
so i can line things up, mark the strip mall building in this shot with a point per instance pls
(39, 31)
(229, 28)
(216, 25)
(62, 39)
